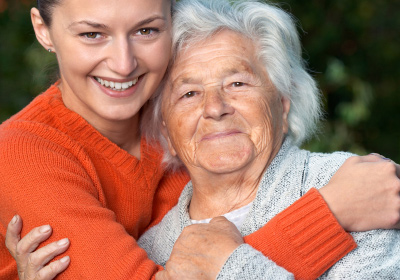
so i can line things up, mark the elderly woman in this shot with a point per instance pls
(235, 106)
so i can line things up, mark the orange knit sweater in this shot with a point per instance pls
(57, 169)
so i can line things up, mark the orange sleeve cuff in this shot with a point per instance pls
(305, 239)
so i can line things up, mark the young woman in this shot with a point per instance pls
(75, 158)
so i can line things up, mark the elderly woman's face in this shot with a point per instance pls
(220, 109)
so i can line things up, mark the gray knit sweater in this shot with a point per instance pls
(291, 174)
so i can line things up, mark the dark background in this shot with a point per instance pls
(352, 49)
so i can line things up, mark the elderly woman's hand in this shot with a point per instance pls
(201, 250)
(364, 194)
(32, 264)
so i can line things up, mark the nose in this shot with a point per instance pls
(122, 59)
(216, 106)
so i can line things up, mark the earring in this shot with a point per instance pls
(49, 50)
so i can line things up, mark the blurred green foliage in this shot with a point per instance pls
(25, 67)
(352, 49)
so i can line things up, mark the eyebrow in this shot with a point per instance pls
(190, 80)
(177, 83)
(103, 26)
(89, 23)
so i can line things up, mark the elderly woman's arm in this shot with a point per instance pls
(377, 257)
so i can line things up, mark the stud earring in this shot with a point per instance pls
(49, 50)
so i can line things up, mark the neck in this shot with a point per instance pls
(218, 194)
(125, 133)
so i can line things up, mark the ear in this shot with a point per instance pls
(285, 112)
(41, 30)
(164, 132)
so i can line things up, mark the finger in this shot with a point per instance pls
(13, 234)
(42, 256)
(51, 270)
(31, 241)
(162, 275)
(373, 157)
(219, 219)
(397, 170)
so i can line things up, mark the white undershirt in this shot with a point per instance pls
(236, 216)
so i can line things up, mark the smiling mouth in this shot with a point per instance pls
(217, 135)
(115, 85)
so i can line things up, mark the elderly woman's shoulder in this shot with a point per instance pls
(330, 159)
(320, 167)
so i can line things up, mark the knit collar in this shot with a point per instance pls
(78, 128)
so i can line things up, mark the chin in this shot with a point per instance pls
(224, 164)
(118, 114)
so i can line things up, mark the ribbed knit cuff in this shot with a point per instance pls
(306, 239)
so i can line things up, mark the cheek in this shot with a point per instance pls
(263, 122)
(82, 63)
(181, 130)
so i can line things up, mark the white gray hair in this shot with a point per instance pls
(273, 32)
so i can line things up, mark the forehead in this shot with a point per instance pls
(222, 45)
(224, 53)
(112, 10)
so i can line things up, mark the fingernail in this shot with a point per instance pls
(64, 259)
(44, 229)
(14, 219)
(62, 242)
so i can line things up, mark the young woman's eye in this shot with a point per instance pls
(146, 31)
(91, 35)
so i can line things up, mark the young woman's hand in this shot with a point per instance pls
(34, 265)
(364, 194)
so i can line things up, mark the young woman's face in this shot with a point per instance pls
(112, 54)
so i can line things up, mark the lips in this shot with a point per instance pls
(117, 86)
(216, 135)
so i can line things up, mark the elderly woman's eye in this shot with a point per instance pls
(189, 94)
(237, 84)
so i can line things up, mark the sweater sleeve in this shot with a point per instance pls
(247, 263)
(305, 239)
(46, 185)
(376, 257)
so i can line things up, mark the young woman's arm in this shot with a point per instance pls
(279, 247)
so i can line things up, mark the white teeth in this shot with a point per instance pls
(115, 85)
